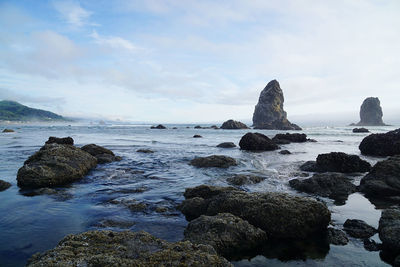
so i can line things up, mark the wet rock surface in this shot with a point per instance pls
(146, 151)
(102, 154)
(389, 230)
(4, 185)
(108, 248)
(337, 237)
(217, 161)
(226, 145)
(291, 138)
(243, 179)
(257, 142)
(62, 141)
(371, 112)
(371, 245)
(360, 130)
(383, 144)
(358, 228)
(280, 215)
(337, 162)
(233, 125)
(228, 234)
(160, 126)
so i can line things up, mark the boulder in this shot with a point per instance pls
(55, 165)
(257, 142)
(309, 166)
(4, 185)
(242, 179)
(383, 181)
(233, 125)
(8, 131)
(333, 185)
(384, 144)
(285, 152)
(62, 141)
(389, 230)
(146, 151)
(337, 237)
(360, 130)
(226, 233)
(160, 126)
(280, 215)
(103, 155)
(371, 245)
(197, 136)
(288, 137)
(358, 228)
(337, 162)
(108, 248)
(218, 161)
(371, 113)
(269, 113)
(226, 145)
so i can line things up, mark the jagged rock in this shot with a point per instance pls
(102, 154)
(337, 237)
(358, 228)
(242, 179)
(371, 113)
(333, 185)
(383, 181)
(389, 230)
(8, 131)
(146, 151)
(234, 125)
(218, 161)
(160, 126)
(62, 141)
(337, 162)
(269, 113)
(4, 185)
(360, 130)
(386, 144)
(288, 138)
(280, 215)
(371, 245)
(226, 145)
(227, 233)
(108, 248)
(257, 142)
(54, 165)
(197, 136)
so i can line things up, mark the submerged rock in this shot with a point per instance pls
(371, 112)
(285, 152)
(269, 113)
(197, 136)
(389, 230)
(108, 248)
(242, 179)
(55, 165)
(333, 185)
(218, 161)
(233, 125)
(280, 215)
(4, 185)
(337, 237)
(160, 126)
(384, 144)
(337, 162)
(227, 233)
(62, 141)
(257, 142)
(358, 228)
(226, 145)
(360, 130)
(8, 131)
(103, 155)
(288, 137)
(146, 151)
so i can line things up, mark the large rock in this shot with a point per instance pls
(371, 112)
(333, 185)
(385, 144)
(62, 141)
(217, 161)
(337, 162)
(383, 181)
(269, 113)
(103, 155)
(389, 230)
(227, 233)
(289, 138)
(108, 248)
(358, 228)
(280, 215)
(234, 125)
(4, 185)
(55, 165)
(257, 142)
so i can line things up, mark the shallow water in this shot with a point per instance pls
(34, 223)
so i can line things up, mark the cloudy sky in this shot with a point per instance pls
(200, 61)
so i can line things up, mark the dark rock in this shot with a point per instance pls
(358, 228)
(383, 180)
(269, 113)
(337, 237)
(226, 145)
(108, 248)
(309, 166)
(360, 130)
(197, 136)
(257, 142)
(385, 144)
(295, 138)
(285, 152)
(337, 162)
(371, 245)
(102, 154)
(228, 234)
(280, 215)
(218, 161)
(198, 127)
(4, 185)
(160, 126)
(312, 140)
(131, 204)
(389, 230)
(147, 151)
(8, 131)
(234, 125)
(62, 141)
(214, 127)
(333, 185)
(174, 128)
(371, 112)
(242, 179)
(54, 165)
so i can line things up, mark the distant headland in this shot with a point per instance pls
(14, 111)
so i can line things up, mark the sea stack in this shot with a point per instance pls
(371, 113)
(269, 113)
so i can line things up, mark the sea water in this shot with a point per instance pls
(31, 223)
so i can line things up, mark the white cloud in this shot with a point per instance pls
(114, 42)
(72, 12)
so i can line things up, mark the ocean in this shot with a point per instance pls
(31, 223)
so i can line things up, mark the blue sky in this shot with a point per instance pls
(200, 61)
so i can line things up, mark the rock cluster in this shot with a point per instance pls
(233, 125)
(385, 144)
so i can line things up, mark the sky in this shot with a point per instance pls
(176, 61)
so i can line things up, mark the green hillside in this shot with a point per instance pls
(14, 111)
